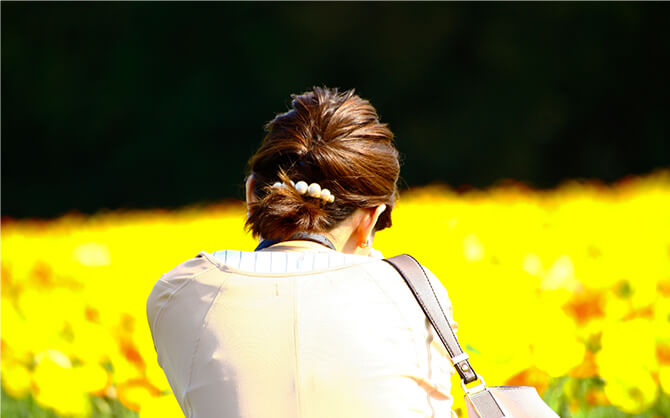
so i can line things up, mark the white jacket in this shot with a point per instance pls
(299, 334)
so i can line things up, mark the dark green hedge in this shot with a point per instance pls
(108, 105)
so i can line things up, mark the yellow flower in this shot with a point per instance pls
(93, 377)
(13, 330)
(664, 377)
(164, 406)
(58, 386)
(555, 348)
(633, 393)
(51, 356)
(92, 254)
(93, 343)
(662, 319)
(561, 275)
(15, 380)
(616, 341)
(473, 250)
(156, 377)
(135, 393)
(124, 370)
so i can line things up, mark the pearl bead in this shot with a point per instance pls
(277, 184)
(331, 199)
(301, 187)
(314, 190)
(325, 195)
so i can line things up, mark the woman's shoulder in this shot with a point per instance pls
(172, 282)
(187, 270)
(435, 283)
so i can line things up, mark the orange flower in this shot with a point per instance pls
(588, 368)
(134, 393)
(586, 305)
(530, 377)
(663, 353)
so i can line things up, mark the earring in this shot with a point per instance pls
(365, 244)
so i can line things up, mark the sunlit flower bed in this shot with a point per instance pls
(567, 290)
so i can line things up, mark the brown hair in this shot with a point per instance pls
(331, 138)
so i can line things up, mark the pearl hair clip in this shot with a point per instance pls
(313, 190)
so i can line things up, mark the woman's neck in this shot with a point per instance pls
(298, 245)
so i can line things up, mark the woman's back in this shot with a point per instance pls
(311, 324)
(282, 333)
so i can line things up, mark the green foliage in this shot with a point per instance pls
(28, 408)
(568, 397)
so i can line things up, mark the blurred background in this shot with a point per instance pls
(145, 105)
(536, 135)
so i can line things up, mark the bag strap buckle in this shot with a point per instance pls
(474, 389)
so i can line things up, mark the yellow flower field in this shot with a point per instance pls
(567, 290)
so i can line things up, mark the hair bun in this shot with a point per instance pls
(334, 143)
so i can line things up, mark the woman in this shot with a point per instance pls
(312, 323)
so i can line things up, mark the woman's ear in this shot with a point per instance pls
(250, 185)
(367, 225)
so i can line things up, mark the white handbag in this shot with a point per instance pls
(481, 401)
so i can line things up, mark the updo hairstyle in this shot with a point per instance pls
(330, 138)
